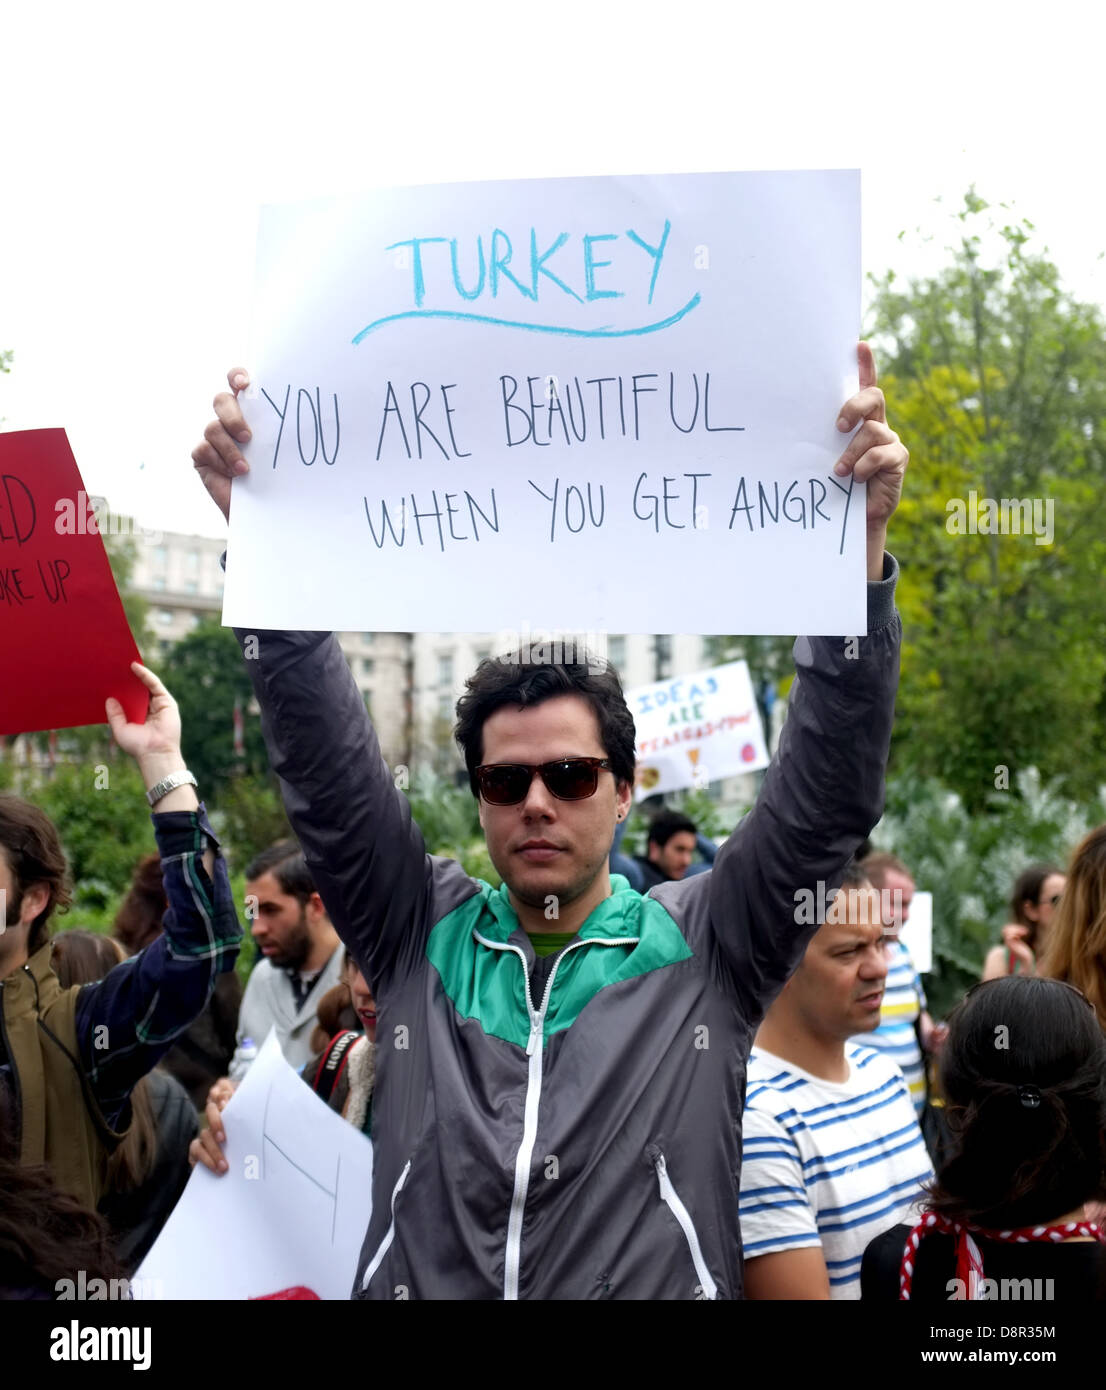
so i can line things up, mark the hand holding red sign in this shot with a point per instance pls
(65, 633)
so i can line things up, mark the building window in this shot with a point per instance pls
(367, 665)
(482, 654)
(192, 561)
(445, 669)
(617, 650)
(368, 636)
(161, 555)
(165, 617)
(191, 587)
(445, 707)
(159, 583)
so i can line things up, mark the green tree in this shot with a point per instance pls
(102, 816)
(449, 820)
(996, 379)
(206, 674)
(251, 817)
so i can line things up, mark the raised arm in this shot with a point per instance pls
(127, 1021)
(365, 852)
(824, 790)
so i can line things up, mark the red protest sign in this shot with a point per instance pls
(67, 642)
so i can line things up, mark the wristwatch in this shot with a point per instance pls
(168, 784)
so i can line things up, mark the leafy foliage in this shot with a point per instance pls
(996, 379)
(450, 824)
(206, 675)
(103, 819)
(249, 817)
(969, 860)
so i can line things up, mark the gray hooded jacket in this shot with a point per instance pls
(588, 1146)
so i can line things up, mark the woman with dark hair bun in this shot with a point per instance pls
(1024, 1075)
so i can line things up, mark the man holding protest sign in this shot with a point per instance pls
(560, 1066)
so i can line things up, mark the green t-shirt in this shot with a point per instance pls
(545, 943)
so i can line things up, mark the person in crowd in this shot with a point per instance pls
(631, 868)
(70, 1058)
(1075, 949)
(556, 1017)
(1033, 903)
(669, 849)
(336, 1013)
(1024, 1075)
(342, 1073)
(148, 1170)
(832, 1149)
(46, 1235)
(906, 1032)
(204, 1050)
(302, 961)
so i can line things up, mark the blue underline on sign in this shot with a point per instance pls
(605, 332)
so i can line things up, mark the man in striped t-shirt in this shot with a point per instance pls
(832, 1152)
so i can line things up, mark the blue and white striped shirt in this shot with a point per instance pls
(828, 1164)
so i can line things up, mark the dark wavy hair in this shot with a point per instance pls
(501, 681)
(33, 850)
(665, 824)
(45, 1234)
(1024, 1077)
(285, 861)
(142, 911)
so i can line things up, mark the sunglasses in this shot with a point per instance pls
(568, 779)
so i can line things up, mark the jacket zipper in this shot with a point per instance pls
(534, 1052)
(672, 1200)
(389, 1235)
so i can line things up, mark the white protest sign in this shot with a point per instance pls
(696, 729)
(499, 405)
(292, 1209)
(917, 934)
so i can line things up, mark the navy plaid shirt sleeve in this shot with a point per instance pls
(127, 1021)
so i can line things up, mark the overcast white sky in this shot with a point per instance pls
(139, 140)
